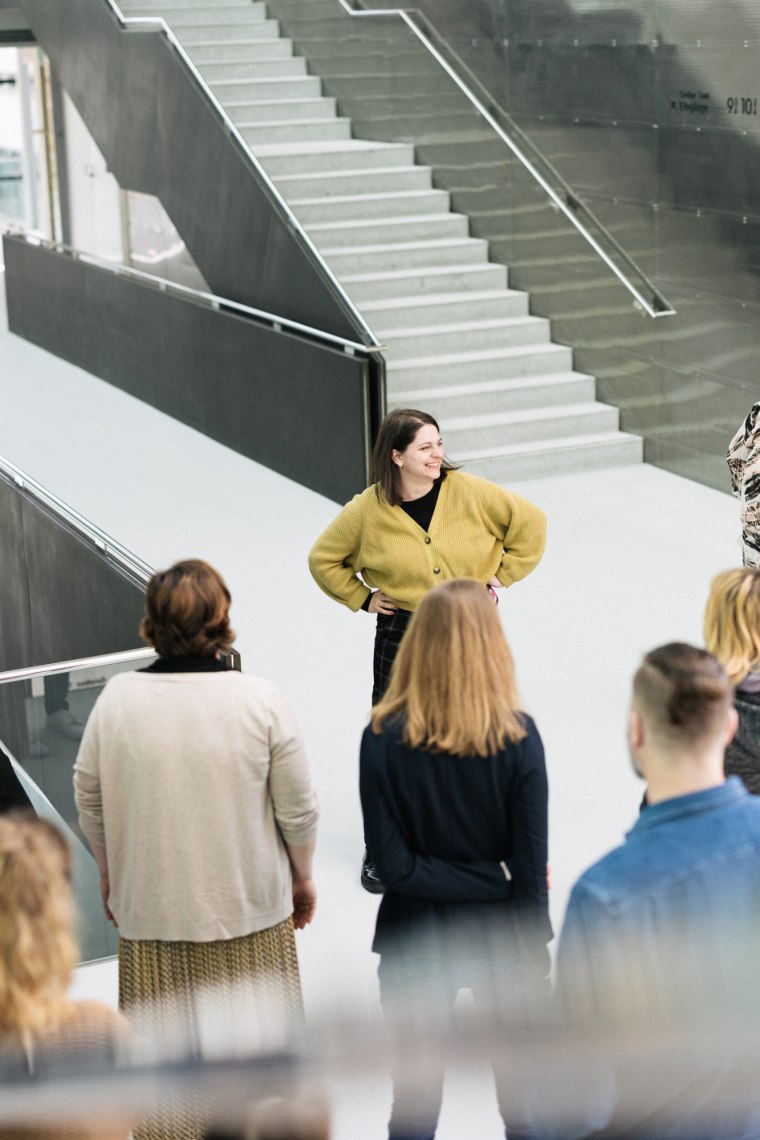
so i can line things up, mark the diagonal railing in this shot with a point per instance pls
(647, 297)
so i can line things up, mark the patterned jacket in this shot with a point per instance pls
(744, 465)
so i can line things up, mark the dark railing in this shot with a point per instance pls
(66, 589)
(254, 381)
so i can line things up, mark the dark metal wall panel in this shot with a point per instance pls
(59, 597)
(294, 405)
(15, 619)
(160, 135)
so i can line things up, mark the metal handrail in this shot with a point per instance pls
(125, 657)
(134, 567)
(211, 299)
(659, 306)
(157, 23)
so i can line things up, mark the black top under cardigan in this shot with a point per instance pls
(440, 827)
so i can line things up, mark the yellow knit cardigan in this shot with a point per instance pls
(477, 530)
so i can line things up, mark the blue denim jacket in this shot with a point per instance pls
(663, 935)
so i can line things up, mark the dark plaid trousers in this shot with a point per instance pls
(390, 629)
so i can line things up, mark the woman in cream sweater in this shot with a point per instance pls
(419, 523)
(193, 791)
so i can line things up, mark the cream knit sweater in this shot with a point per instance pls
(478, 529)
(192, 781)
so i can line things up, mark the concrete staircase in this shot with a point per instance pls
(460, 343)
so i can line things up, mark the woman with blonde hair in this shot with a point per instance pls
(454, 794)
(38, 953)
(732, 634)
(194, 792)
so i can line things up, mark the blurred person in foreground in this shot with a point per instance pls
(454, 794)
(300, 1114)
(732, 634)
(193, 790)
(658, 953)
(40, 1025)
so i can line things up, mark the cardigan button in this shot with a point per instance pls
(436, 569)
(428, 539)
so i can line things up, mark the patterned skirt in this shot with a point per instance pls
(176, 992)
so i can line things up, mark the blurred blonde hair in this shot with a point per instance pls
(453, 680)
(732, 621)
(38, 949)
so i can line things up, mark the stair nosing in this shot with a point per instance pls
(575, 442)
(542, 347)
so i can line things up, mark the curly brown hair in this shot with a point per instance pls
(187, 611)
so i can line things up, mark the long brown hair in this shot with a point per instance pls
(397, 431)
(38, 948)
(453, 681)
(732, 621)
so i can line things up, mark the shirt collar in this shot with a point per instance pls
(693, 804)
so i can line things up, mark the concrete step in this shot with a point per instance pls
(435, 340)
(400, 65)
(352, 156)
(307, 185)
(406, 255)
(197, 14)
(416, 282)
(442, 309)
(287, 67)
(368, 208)
(490, 364)
(281, 110)
(496, 396)
(422, 227)
(224, 33)
(504, 429)
(554, 457)
(236, 90)
(191, 5)
(308, 130)
(349, 86)
(217, 51)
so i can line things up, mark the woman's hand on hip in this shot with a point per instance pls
(380, 603)
(304, 902)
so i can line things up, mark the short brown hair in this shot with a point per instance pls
(683, 691)
(453, 681)
(187, 611)
(397, 431)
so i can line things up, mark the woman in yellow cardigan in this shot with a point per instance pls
(420, 522)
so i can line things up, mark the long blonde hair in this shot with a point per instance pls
(453, 681)
(732, 621)
(38, 949)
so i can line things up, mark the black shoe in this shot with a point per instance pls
(370, 879)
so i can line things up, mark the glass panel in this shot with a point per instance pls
(26, 154)
(41, 723)
(11, 135)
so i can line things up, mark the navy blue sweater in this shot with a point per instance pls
(441, 828)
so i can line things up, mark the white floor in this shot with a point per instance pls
(630, 556)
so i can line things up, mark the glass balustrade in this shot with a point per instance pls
(42, 713)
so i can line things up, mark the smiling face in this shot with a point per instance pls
(420, 462)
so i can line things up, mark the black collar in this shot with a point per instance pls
(187, 664)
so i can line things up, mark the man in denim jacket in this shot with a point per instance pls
(657, 962)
